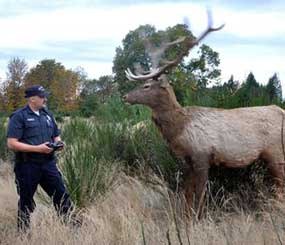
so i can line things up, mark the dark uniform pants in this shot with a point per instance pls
(28, 176)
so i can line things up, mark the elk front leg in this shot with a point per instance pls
(195, 185)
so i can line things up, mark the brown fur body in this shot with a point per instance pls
(210, 136)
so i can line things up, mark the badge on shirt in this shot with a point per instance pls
(30, 119)
(48, 120)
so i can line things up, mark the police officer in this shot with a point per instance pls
(30, 129)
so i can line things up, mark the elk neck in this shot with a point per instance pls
(170, 118)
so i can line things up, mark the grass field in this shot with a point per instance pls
(134, 212)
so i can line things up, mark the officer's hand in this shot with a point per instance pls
(43, 148)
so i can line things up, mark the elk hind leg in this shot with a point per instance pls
(277, 172)
(276, 169)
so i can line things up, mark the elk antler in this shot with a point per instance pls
(189, 44)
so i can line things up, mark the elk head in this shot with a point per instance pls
(156, 91)
(153, 93)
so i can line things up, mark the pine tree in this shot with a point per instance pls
(274, 89)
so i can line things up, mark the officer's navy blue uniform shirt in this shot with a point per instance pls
(32, 129)
(33, 168)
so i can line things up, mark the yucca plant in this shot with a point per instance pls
(90, 160)
(89, 143)
(87, 177)
(77, 129)
(106, 138)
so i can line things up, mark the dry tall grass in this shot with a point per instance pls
(135, 213)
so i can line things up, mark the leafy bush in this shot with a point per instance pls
(144, 145)
(112, 110)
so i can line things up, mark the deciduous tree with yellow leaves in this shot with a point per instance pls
(59, 81)
(13, 91)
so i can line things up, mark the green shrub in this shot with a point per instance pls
(90, 161)
(87, 177)
(90, 143)
(115, 110)
(146, 146)
(106, 138)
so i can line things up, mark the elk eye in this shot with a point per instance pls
(146, 86)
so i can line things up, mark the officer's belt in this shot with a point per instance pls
(34, 157)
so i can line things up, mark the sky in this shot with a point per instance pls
(85, 33)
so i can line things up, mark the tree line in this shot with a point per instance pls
(196, 81)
